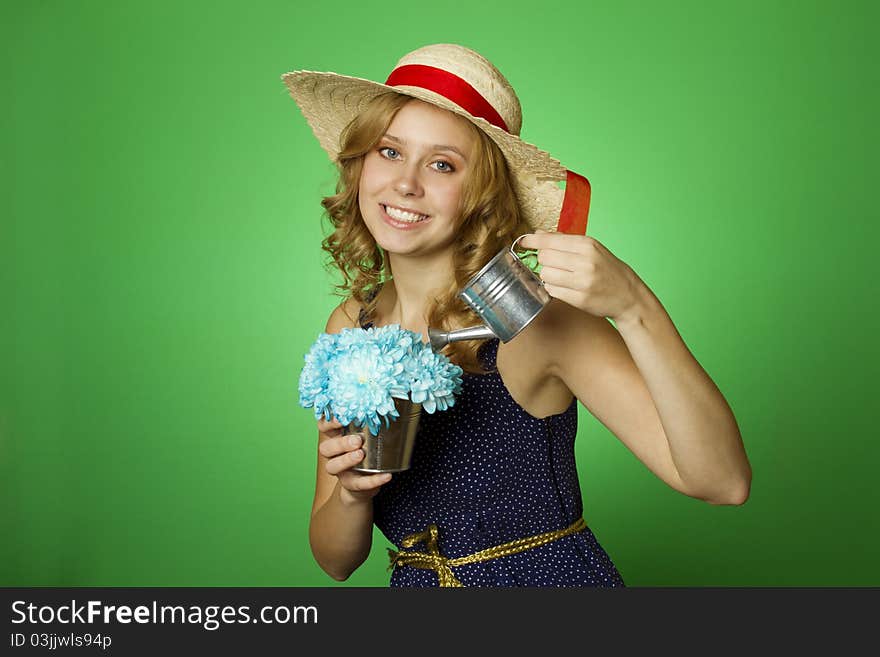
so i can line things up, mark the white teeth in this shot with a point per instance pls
(402, 215)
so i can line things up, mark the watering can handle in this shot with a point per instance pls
(575, 207)
(513, 246)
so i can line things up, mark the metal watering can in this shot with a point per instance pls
(506, 295)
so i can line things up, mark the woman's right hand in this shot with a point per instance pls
(343, 452)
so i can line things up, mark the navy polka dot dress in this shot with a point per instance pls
(486, 472)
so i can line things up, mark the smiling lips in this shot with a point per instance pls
(403, 216)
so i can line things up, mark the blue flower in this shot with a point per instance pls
(356, 375)
(434, 380)
(360, 386)
(314, 378)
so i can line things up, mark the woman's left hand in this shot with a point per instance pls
(580, 271)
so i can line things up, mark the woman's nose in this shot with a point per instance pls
(407, 183)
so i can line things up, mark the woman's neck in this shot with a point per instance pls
(414, 281)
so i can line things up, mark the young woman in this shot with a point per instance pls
(434, 181)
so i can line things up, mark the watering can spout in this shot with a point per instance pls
(440, 338)
(505, 294)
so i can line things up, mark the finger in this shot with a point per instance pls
(330, 433)
(534, 241)
(344, 462)
(558, 277)
(558, 259)
(332, 447)
(325, 425)
(355, 481)
(571, 297)
(558, 241)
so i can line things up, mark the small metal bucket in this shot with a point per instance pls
(506, 294)
(391, 450)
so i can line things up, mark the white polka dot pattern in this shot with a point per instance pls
(487, 472)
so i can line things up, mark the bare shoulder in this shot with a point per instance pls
(345, 315)
(561, 329)
(529, 364)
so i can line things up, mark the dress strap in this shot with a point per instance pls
(363, 319)
(488, 353)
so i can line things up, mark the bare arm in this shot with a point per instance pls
(640, 380)
(341, 525)
(703, 437)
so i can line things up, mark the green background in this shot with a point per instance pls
(162, 278)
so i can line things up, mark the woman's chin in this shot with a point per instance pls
(399, 243)
(392, 247)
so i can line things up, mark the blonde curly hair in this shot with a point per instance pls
(489, 219)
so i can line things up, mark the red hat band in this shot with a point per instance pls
(448, 85)
(575, 203)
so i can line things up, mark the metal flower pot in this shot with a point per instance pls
(392, 449)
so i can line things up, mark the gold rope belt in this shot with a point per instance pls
(433, 560)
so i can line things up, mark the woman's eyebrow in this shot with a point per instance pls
(436, 147)
(442, 147)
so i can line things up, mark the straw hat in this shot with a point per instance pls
(462, 81)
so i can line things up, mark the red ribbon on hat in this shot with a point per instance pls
(448, 85)
(575, 203)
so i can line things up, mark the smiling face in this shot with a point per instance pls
(412, 182)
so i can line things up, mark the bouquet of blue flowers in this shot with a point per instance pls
(355, 376)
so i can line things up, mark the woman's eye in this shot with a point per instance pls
(444, 167)
(389, 152)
